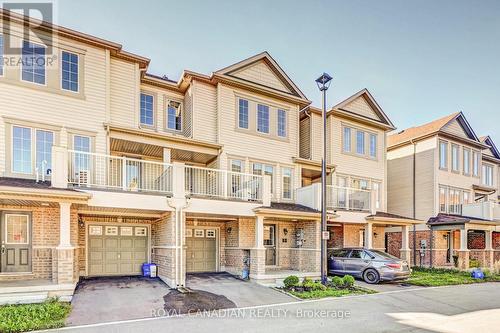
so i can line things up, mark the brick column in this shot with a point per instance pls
(64, 253)
(489, 253)
(258, 253)
(463, 252)
(368, 235)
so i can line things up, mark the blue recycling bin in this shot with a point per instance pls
(146, 269)
(477, 274)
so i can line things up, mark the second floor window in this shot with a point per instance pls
(373, 146)
(21, 150)
(69, 79)
(466, 161)
(147, 111)
(262, 118)
(378, 194)
(475, 164)
(443, 155)
(174, 120)
(287, 183)
(81, 145)
(347, 139)
(360, 142)
(487, 175)
(263, 170)
(44, 142)
(281, 123)
(455, 158)
(33, 63)
(243, 113)
(1, 55)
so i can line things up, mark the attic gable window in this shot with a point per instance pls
(174, 117)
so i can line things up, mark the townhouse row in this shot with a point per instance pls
(105, 166)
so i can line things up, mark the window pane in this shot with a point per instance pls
(262, 118)
(360, 142)
(17, 229)
(21, 150)
(376, 189)
(236, 166)
(466, 161)
(33, 63)
(44, 142)
(257, 168)
(82, 161)
(475, 163)
(454, 158)
(243, 113)
(70, 71)
(287, 183)
(269, 171)
(174, 119)
(347, 139)
(443, 155)
(373, 145)
(147, 112)
(282, 123)
(442, 200)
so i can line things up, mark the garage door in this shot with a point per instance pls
(116, 250)
(201, 250)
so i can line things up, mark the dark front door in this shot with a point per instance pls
(270, 244)
(15, 238)
(449, 246)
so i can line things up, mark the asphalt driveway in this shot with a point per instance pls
(102, 300)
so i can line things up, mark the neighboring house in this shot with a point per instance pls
(438, 173)
(107, 167)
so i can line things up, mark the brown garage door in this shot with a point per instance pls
(116, 250)
(201, 255)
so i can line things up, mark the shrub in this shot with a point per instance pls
(306, 280)
(291, 281)
(313, 286)
(348, 281)
(337, 282)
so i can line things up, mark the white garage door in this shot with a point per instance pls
(117, 250)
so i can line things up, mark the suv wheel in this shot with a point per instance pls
(371, 276)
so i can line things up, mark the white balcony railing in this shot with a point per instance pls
(114, 172)
(337, 197)
(223, 184)
(487, 210)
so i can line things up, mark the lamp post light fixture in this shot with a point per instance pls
(323, 83)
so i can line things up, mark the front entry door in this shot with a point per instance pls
(449, 246)
(270, 244)
(15, 238)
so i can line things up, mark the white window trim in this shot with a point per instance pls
(248, 114)
(28, 238)
(447, 144)
(45, 67)
(78, 73)
(154, 110)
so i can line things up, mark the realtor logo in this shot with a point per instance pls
(36, 32)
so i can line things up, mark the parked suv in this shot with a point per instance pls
(370, 265)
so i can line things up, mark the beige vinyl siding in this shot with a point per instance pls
(261, 73)
(248, 146)
(71, 113)
(187, 122)
(204, 103)
(305, 138)
(124, 93)
(455, 129)
(317, 137)
(361, 107)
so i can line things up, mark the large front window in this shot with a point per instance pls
(69, 79)
(287, 183)
(44, 142)
(33, 63)
(443, 155)
(174, 120)
(21, 150)
(147, 110)
(262, 118)
(282, 123)
(243, 113)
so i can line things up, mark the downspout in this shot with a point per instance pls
(414, 202)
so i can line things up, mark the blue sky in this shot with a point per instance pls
(420, 59)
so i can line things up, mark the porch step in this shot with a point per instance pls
(36, 293)
(23, 297)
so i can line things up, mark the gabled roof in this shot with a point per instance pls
(489, 142)
(379, 115)
(433, 127)
(265, 57)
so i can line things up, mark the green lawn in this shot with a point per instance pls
(30, 317)
(434, 277)
(330, 292)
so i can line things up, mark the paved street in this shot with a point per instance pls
(467, 308)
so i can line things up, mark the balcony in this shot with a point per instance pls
(99, 171)
(337, 198)
(487, 210)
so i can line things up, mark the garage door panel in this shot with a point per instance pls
(116, 254)
(201, 253)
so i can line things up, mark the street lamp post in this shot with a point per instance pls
(323, 83)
